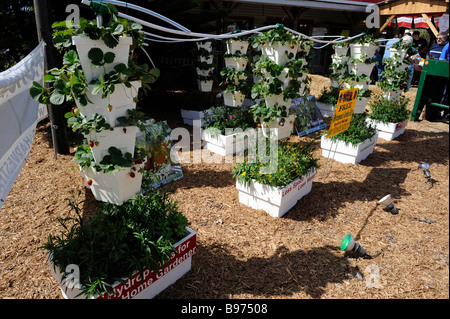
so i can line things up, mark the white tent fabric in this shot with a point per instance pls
(19, 115)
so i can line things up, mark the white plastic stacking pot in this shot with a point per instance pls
(233, 46)
(278, 53)
(276, 100)
(233, 98)
(273, 129)
(236, 63)
(204, 72)
(115, 188)
(121, 100)
(124, 138)
(205, 86)
(341, 51)
(360, 105)
(357, 50)
(339, 59)
(283, 77)
(360, 68)
(207, 46)
(209, 59)
(360, 85)
(85, 44)
(401, 53)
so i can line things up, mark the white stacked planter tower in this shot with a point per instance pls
(206, 58)
(395, 73)
(236, 59)
(121, 186)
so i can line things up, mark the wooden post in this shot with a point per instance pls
(430, 24)
(387, 22)
(55, 113)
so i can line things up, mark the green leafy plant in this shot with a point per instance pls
(395, 75)
(365, 39)
(78, 123)
(65, 84)
(293, 161)
(267, 114)
(329, 95)
(389, 111)
(358, 131)
(233, 81)
(110, 31)
(118, 240)
(222, 117)
(279, 34)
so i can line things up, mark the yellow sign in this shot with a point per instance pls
(343, 112)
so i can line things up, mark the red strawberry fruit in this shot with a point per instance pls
(89, 182)
(91, 144)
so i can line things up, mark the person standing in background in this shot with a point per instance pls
(420, 44)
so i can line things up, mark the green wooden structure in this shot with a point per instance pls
(435, 68)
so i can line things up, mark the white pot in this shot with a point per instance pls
(276, 201)
(278, 53)
(236, 63)
(142, 288)
(207, 46)
(84, 44)
(347, 153)
(273, 129)
(124, 138)
(205, 72)
(341, 51)
(114, 188)
(233, 46)
(208, 59)
(357, 50)
(360, 85)
(233, 98)
(228, 144)
(194, 118)
(392, 95)
(360, 68)
(283, 77)
(327, 110)
(205, 86)
(388, 131)
(360, 105)
(339, 59)
(121, 101)
(276, 100)
(401, 54)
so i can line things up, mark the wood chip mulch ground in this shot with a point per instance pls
(245, 253)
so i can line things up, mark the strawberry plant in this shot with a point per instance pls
(279, 34)
(389, 111)
(358, 131)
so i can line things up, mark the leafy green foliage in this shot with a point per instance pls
(389, 111)
(358, 131)
(78, 123)
(267, 114)
(329, 95)
(118, 240)
(223, 117)
(366, 39)
(279, 34)
(395, 75)
(293, 161)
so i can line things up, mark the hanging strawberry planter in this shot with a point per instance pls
(276, 187)
(237, 45)
(363, 46)
(341, 49)
(234, 86)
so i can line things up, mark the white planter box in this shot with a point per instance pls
(360, 105)
(278, 53)
(360, 68)
(121, 101)
(238, 64)
(273, 130)
(347, 153)
(124, 138)
(205, 86)
(84, 44)
(388, 131)
(152, 284)
(327, 110)
(194, 118)
(233, 98)
(276, 201)
(114, 188)
(357, 50)
(236, 45)
(228, 144)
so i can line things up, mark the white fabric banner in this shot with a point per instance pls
(19, 115)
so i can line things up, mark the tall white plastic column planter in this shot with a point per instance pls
(205, 67)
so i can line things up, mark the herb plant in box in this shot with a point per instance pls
(276, 183)
(353, 145)
(131, 251)
(228, 130)
(389, 117)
